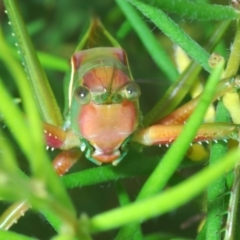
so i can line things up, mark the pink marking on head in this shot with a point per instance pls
(101, 78)
(107, 126)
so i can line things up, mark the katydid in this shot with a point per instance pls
(102, 112)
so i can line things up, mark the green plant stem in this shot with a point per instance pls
(37, 158)
(176, 34)
(197, 11)
(123, 197)
(45, 99)
(231, 100)
(124, 231)
(133, 163)
(14, 236)
(48, 61)
(124, 29)
(202, 233)
(233, 108)
(234, 58)
(19, 126)
(233, 206)
(156, 51)
(215, 192)
(159, 204)
(178, 90)
(28, 103)
(172, 158)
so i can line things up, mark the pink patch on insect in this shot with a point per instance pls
(107, 126)
(54, 136)
(53, 141)
(100, 78)
(106, 157)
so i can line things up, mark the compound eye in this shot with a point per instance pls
(132, 91)
(82, 95)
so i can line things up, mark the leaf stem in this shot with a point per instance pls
(198, 11)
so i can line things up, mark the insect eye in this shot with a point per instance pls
(132, 91)
(82, 95)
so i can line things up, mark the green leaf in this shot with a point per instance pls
(156, 51)
(197, 10)
(174, 32)
(46, 101)
(166, 201)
